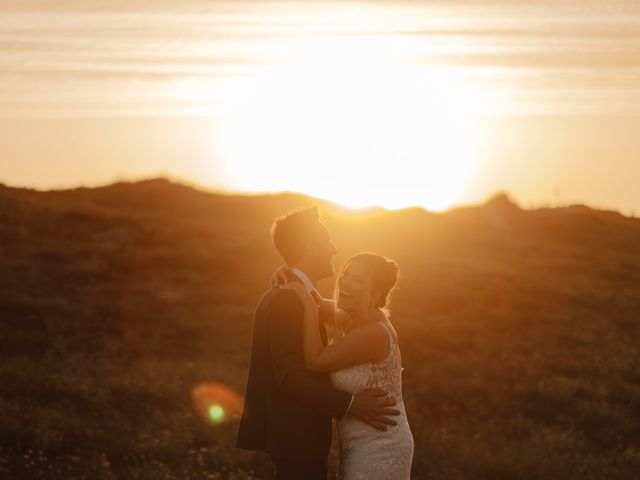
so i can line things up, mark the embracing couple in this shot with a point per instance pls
(299, 381)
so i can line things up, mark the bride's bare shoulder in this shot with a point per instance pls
(374, 337)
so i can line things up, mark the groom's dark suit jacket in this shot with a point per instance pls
(287, 409)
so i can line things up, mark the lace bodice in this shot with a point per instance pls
(385, 374)
(367, 453)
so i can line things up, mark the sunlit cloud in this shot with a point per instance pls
(76, 47)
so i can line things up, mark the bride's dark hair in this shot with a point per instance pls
(384, 275)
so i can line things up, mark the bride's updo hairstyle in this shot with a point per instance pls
(384, 275)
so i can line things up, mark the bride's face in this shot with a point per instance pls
(354, 287)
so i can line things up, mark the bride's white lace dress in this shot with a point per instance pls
(367, 453)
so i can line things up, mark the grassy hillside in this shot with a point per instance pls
(520, 332)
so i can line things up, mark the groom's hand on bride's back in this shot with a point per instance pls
(374, 407)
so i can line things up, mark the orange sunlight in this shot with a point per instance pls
(348, 122)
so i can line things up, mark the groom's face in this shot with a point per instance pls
(321, 252)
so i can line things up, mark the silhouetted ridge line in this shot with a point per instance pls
(503, 201)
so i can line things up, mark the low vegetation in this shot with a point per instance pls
(520, 332)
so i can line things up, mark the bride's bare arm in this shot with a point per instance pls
(363, 344)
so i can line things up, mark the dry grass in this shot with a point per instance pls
(520, 333)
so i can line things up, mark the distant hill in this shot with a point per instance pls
(520, 331)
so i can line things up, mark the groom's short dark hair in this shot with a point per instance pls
(293, 231)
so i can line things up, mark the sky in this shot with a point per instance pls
(428, 103)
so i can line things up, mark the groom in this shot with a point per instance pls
(288, 409)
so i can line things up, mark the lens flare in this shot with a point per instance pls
(216, 414)
(216, 402)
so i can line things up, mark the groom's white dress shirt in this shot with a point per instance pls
(308, 284)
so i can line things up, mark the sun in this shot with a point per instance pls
(348, 123)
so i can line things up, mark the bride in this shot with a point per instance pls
(365, 355)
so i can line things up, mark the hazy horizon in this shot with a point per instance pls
(552, 203)
(428, 103)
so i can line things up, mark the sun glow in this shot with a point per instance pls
(349, 122)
